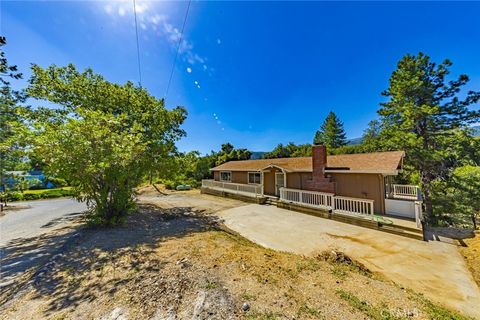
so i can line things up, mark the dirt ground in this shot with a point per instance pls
(174, 260)
(433, 268)
(471, 253)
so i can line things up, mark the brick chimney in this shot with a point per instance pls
(319, 161)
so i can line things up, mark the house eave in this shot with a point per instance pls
(384, 172)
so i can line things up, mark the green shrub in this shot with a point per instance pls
(14, 196)
(39, 194)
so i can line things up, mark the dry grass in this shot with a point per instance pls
(180, 264)
(471, 253)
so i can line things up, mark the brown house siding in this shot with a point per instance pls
(363, 186)
(237, 176)
(296, 180)
(355, 185)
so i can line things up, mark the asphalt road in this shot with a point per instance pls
(31, 232)
(38, 217)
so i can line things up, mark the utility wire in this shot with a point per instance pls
(138, 46)
(178, 49)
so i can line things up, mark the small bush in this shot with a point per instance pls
(14, 196)
(341, 259)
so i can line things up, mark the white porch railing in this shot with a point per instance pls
(408, 192)
(328, 201)
(353, 205)
(308, 198)
(239, 188)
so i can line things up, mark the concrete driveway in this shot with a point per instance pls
(435, 269)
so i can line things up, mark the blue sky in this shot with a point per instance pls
(251, 73)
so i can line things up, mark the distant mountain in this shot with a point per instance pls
(257, 155)
(354, 141)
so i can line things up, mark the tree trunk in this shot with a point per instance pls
(426, 188)
(474, 220)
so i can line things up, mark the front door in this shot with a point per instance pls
(279, 182)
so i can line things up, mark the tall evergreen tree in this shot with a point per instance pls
(331, 133)
(371, 138)
(422, 114)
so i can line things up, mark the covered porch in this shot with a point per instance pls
(397, 201)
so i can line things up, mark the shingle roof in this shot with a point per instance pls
(378, 162)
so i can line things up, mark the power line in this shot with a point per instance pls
(178, 49)
(138, 46)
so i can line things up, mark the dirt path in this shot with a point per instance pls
(434, 268)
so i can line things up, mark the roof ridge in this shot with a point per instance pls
(364, 153)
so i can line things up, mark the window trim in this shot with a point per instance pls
(254, 172)
(229, 172)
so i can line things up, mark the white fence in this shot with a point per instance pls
(400, 208)
(405, 209)
(239, 188)
(353, 205)
(328, 201)
(408, 192)
(308, 198)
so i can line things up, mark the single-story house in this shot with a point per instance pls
(357, 183)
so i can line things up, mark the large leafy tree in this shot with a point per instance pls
(229, 153)
(289, 150)
(331, 133)
(104, 138)
(12, 126)
(302, 150)
(423, 114)
(281, 151)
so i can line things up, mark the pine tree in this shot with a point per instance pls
(331, 133)
(422, 114)
(371, 138)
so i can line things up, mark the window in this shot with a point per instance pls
(254, 178)
(225, 176)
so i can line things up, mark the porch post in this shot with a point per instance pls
(262, 178)
(389, 187)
